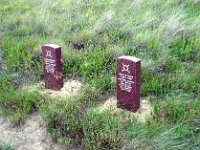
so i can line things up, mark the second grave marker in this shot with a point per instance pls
(53, 76)
(128, 82)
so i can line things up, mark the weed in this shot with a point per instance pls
(101, 131)
(90, 96)
(93, 34)
(5, 146)
(176, 110)
(64, 119)
(16, 103)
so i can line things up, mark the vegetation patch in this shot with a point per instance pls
(164, 34)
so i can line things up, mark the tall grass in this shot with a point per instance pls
(165, 34)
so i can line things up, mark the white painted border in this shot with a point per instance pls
(135, 59)
(52, 45)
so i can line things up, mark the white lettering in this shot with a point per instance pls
(49, 65)
(125, 82)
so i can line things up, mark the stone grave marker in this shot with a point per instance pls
(128, 82)
(53, 76)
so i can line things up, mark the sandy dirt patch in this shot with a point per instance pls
(141, 114)
(70, 88)
(31, 135)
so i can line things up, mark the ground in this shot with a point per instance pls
(164, 34)
(31, 135)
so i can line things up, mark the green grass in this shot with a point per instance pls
(102, 131)
(17, 103)
(164, 34)
(5, 146)
(65, 121)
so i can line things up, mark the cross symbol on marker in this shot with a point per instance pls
(125, 68)
(48, 54)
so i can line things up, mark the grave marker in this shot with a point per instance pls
(53, 76)
(128, 82)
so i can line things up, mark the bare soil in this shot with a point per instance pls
(32, 135)
(141, 114)
(70, 88)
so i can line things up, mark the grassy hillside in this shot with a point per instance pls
(164, 34)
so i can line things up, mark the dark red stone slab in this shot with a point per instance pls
(128, 82)
(53, 76)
